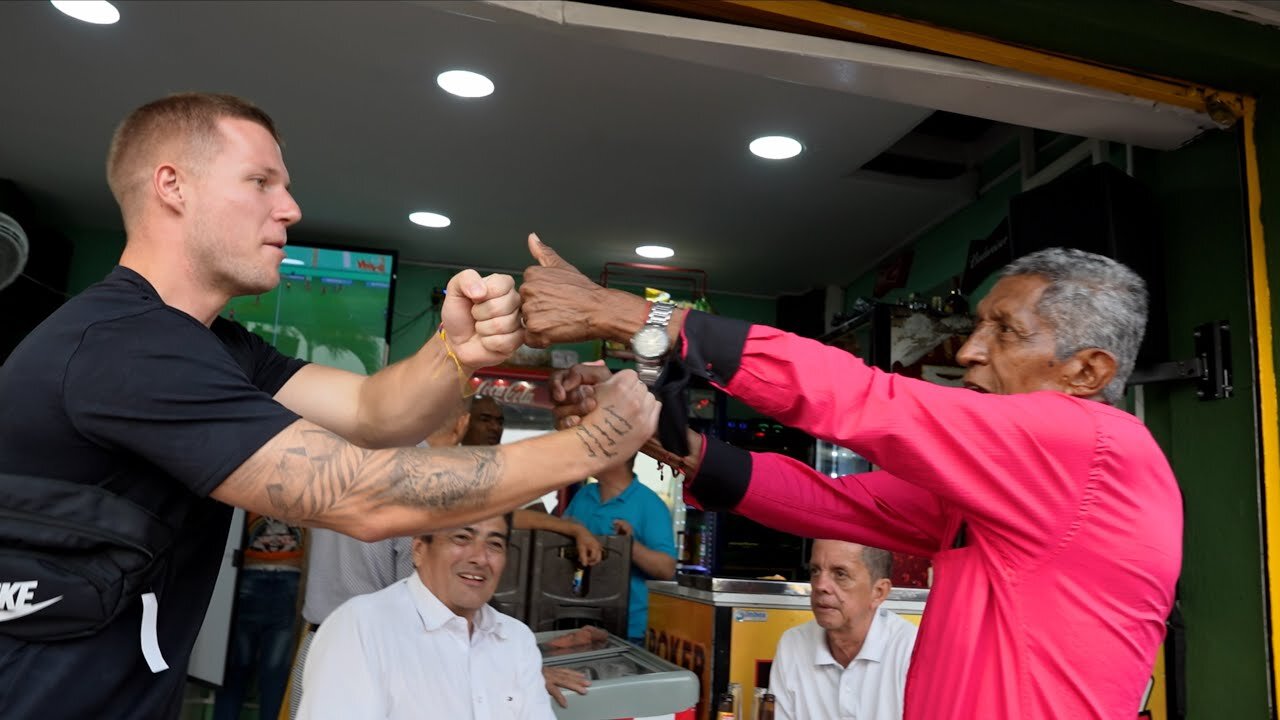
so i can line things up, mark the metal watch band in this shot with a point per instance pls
(659, 316)
(648, 370)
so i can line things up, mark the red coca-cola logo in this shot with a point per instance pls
(515, 392)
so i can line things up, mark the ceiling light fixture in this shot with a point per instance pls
(775, 147)
(656, 252)
(465, 83)
(98, 12)
(429, 219)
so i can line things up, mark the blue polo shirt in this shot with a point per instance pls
(650, 522)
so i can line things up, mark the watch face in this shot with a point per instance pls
(651, 342)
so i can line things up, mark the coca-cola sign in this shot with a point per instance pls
(512, 390)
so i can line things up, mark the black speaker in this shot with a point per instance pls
(40, 290)
(1102, 210)
(803, 314)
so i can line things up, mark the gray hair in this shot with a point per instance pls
(1092, 301)
(879, 563)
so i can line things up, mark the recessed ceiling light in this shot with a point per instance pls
(98, 12)
(775, 147)
(655, 251)
(429, 219)
(465, 83)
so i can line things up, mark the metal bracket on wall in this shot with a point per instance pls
(1210, 368)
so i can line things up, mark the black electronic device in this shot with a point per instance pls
(1098, 209)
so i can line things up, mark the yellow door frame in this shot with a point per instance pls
(815, 17)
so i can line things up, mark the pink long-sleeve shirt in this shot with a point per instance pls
(1055, 604)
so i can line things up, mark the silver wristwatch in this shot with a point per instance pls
(650, 343)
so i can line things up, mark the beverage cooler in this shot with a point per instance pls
(722, 544)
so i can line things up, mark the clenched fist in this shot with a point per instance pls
(481, 317)
(573, 390)
(624, 417)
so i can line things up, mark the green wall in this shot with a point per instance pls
(95, 253)
(1212, 445)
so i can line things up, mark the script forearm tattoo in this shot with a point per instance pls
(600, 436)
(618, 424)
(319, 476)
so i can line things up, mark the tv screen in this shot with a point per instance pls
(332, 306)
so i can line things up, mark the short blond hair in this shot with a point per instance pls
(190, 119)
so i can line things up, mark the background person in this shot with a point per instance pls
(851, 660)
(430, 645)
(618, 503)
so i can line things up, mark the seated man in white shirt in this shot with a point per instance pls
(429, 646)
(851, 660)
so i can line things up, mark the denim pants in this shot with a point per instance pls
(261, 640)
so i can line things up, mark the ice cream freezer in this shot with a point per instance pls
(626, 681)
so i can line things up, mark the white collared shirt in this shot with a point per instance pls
(400, 653)
(808, 683)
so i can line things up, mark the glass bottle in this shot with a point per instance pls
(766, 707)
(735, 690)
(725, 710)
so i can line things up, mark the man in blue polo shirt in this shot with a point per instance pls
(619, 504)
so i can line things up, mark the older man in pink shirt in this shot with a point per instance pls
(1053, 519)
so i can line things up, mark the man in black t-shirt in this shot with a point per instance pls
(137, 386)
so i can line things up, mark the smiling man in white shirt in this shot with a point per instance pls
(430, 645)
(850, 661)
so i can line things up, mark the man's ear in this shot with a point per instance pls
(1089, 372)
(880, 591)
(460, 426)
(167, 183)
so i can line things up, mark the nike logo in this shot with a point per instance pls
(15, 600)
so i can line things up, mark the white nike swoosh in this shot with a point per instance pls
(7, 615)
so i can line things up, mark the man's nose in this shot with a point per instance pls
(289, 212)
(974, 350)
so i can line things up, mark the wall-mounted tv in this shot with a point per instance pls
(333, 306)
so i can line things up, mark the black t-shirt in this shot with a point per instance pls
(119, 390)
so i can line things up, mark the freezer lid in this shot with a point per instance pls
(626, 681)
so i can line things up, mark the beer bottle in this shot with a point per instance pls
(725, 710)
(766, 707)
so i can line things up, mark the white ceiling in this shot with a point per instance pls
(597, 148)
(597, 138)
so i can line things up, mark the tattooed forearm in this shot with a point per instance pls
(599, 438)
(623, 423)
(318, 477)
(585, 438)
(454, 478)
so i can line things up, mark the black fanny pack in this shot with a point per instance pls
(72, 557)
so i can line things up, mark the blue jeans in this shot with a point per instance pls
(261, 638)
